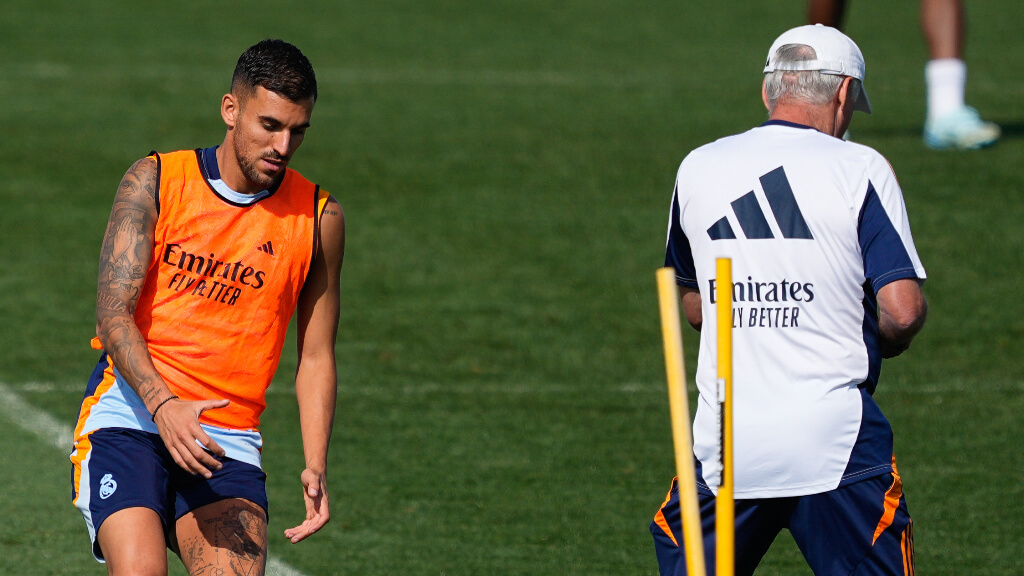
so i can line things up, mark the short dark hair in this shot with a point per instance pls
(277, 66)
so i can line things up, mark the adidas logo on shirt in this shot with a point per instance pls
(752, 220)
(268, 247)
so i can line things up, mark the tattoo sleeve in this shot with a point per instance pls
(124, 259)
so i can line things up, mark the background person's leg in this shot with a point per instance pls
(827, 12)
(943, 24)
(950, 123)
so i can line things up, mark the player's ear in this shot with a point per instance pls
(229, 108)
(764, 94)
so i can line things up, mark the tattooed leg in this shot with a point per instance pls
(226, 538)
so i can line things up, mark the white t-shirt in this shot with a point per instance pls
(814, 226)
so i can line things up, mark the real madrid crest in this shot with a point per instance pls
(107, 486)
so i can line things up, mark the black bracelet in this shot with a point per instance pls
(160, 405)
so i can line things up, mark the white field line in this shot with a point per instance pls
(14, 408)
(42, 424)
(276, 567)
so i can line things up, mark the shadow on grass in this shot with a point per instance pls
(1011, 131)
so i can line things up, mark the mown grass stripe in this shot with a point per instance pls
(953, 386)
(360, 76)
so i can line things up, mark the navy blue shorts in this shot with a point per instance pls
(860, 529)
(127, 468)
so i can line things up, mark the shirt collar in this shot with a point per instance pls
(209, 159)
(787, 123)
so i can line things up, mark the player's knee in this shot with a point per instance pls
(140, 567)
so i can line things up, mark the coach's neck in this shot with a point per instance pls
(832, 118)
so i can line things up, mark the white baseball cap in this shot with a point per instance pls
(836, 54)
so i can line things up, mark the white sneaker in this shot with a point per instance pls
(962, 129)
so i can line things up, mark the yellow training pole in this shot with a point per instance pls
(672, 335)
(725, 510)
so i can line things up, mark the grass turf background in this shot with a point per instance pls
(505, 168)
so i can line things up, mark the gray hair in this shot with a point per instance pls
(807, 86)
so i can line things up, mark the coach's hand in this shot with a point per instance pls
(314, 492)
(178, 424)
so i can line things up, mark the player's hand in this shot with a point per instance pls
(178, 424)
(314, 492)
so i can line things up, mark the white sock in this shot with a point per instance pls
(945, 79)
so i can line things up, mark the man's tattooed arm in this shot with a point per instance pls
(124, 260)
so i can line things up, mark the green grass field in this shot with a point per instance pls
(506, 169)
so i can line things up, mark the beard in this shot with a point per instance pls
(251, 171)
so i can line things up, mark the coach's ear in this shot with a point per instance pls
(764, 94)
(845, 106)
